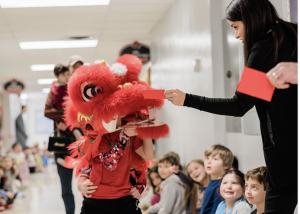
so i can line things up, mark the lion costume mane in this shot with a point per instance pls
(100, 94)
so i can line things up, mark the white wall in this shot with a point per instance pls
(181, 36)
(35, 101)
(12, 108)
(193, 30)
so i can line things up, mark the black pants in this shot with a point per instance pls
(123, 205)
(65, 176)
(281, 200)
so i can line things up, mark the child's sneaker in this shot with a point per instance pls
(2, 203)
(9, 206)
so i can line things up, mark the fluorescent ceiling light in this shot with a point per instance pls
(59, 44)
(46, 90)
(50, 3)
(23, 96)
(42, 67)
(46, 81)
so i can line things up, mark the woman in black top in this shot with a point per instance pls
(268, 40)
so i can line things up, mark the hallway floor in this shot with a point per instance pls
(43, 195)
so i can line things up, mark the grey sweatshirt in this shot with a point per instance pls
(171, 197)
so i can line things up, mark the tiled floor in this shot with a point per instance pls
(43, 195)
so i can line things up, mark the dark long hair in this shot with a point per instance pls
(258, 17)
(153, 170)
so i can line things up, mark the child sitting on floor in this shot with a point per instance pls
(232, 189)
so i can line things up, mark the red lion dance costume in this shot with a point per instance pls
(100, 94)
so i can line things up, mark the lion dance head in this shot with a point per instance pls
(100, 94)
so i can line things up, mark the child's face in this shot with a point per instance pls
(164, 170)
(156, 180)
(214, 165)
(28, 151)
(255, 192)
(231, 189)
(18, 148)
(7, 163)
(196, 171)
(63, 77)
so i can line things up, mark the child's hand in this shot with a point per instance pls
(62, 126)
(157, 189)
(135, 193)
(86, 188)
(10, 195)
(130, 131)
(174, 169)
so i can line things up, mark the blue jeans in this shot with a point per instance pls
(65, 176)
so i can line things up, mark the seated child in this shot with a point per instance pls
(218, 159)
(9, 173)
(232, 189)
(155, 180)
(113, 166)
(30, 159)
(256, 186)
(171, 189)
(196, 182)
(18, 155)
(38, 159)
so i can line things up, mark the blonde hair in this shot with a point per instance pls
(225, 153)
(191, 192)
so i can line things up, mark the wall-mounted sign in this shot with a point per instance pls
(140, 50)
(14, 86)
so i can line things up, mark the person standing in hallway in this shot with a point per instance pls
(74, 62)
(20, 129)
(54, 110)
(268, 40)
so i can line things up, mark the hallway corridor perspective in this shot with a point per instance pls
(43, 195)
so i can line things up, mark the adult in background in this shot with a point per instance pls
(54, 111)
(20, 129)
(74, 62)
(268, 40)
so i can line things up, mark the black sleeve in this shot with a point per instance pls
(236, 106)
(240, 103)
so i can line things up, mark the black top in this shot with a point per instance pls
(254, 211)
(278, 118)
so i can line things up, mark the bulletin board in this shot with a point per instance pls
(43, 125)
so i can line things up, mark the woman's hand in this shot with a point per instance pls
(176, 96)
(135, 193)
(86, 188)
(283, 74)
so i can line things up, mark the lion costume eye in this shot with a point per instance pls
(88, 91)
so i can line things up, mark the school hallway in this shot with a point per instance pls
(43, 195)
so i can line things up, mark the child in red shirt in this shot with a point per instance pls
(115, 193)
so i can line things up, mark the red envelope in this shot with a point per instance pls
(255, 83)
(154, 94)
